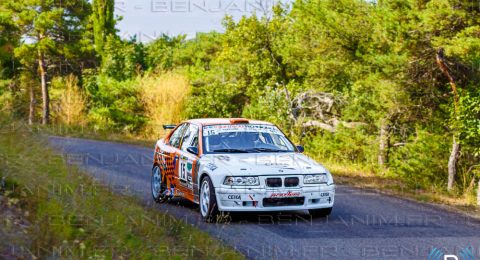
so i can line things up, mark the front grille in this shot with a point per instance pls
(274, 182)
(279, 202)
(291, 181)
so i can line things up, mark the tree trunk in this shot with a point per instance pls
(45, 96)
(383, 144)
(452, 163)
(31, 112)
(478, 194)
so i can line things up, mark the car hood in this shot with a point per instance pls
(245, 164)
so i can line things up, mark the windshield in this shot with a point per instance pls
(245, 138)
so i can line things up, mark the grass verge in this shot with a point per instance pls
(348, 175)
(71, 216)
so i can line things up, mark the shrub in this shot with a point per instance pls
(272, 106)
(115, 105)
(423, 160)
(345, 146)
(68, 101)
(163, 97)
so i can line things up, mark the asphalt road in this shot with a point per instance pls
(363, 224)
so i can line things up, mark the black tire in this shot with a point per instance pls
(208, 209)
(320, 212)
(157, 195)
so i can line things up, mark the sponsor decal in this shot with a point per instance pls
(223, 158)
(211, 166)
(234, 197)
(324, 194)
(217, 129)
(285, 194)
(185, 170)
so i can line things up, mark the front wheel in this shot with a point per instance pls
(158, 186)
(320, 212)
(208, 201)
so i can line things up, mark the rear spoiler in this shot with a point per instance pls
(165, 127)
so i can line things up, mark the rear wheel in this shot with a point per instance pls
(320, 212)
(157, 185)
(208, 201)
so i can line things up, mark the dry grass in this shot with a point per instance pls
(164, 99)
(70, 107)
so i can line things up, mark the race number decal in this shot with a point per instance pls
(183, 170)
(185, 174)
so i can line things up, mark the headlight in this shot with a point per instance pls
(315, 179)
(242, 181)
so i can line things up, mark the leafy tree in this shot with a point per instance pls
(451, 26)
(103, 22)
(159, 54)
(198, 54)
(215, 99)
(469, 116)
(9, 39)
(122, 60)
(52, 33)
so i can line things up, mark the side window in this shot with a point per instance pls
(176, 137)
(190, 138)
(279, 140)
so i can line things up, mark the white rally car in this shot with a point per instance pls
(237, 164)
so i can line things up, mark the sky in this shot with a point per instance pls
(148, 19)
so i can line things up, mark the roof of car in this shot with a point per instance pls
(225, 121)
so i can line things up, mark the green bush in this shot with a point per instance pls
(122, 60)
(215, 99)
(115, 105)
(272, 107)
(423, 160)
(345, 146)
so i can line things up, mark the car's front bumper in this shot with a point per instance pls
(281, 199)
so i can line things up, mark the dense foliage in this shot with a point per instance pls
(393, 110)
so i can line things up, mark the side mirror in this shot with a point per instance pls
(192, 150)
(300, 149)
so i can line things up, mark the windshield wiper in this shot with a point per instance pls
(229, 150)
(267, 150)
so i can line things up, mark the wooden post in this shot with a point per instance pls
(452, 163)
(383, 143)
(478, 193)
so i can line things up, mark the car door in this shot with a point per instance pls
(187, 167)
(170, 157)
